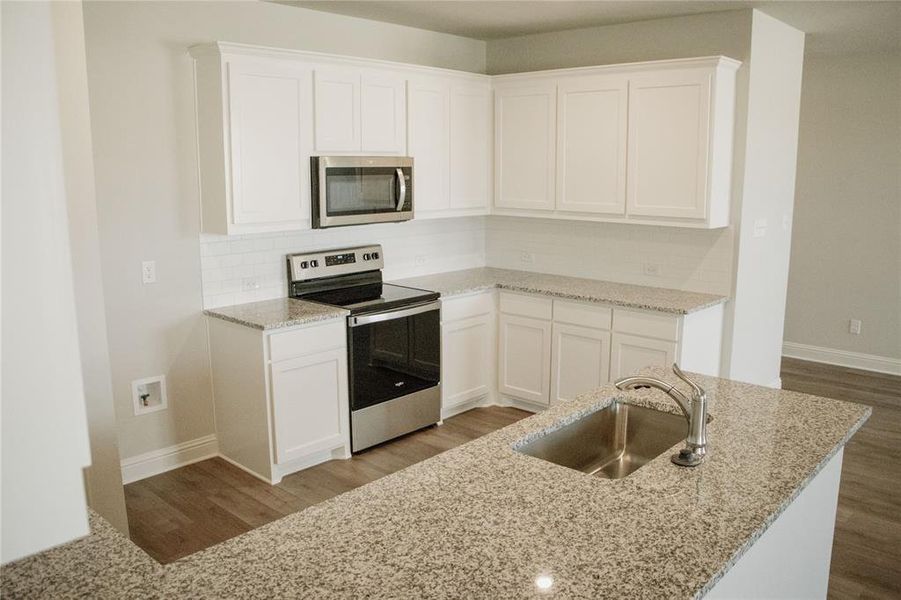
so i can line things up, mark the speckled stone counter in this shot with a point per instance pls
(483, 521)
(560, 286)
(274, 314)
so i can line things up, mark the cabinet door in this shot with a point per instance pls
(629, 353)
(337, 110)
(525, 143)
(427, 132)
(580, 360)
(471, 131)
(309, 401)
(591, 144)
(524, 361)
(467, 355)
(382, 118)
(269, 120)
(669, 113)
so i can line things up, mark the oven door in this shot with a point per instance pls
(395, 373)
(352, 190)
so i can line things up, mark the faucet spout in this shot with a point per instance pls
(694, 410)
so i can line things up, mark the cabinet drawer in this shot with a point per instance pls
(586, 315)
(465, 307)
(526, 306)
(309, 340)
(656, 325)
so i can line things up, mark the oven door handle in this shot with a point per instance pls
(402, 189)
(392, 314)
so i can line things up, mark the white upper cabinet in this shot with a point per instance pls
(471, 133)
(337, 109)
(525, 145)
(254, 123)
(591, 144)
(382, 116)
(647, 143)
(428, 140)
(669, 130)
(359, 111)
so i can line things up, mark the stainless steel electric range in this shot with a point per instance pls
(393, 340)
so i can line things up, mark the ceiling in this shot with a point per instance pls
(833, 27)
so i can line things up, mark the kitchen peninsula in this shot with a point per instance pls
(484, 520)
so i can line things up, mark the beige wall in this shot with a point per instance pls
(103, 478)
(727, 33)
(846, 248)
(142, 111)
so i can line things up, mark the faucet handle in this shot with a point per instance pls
(698, 390)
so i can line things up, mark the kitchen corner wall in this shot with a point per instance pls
(145, 157)
(248, 268)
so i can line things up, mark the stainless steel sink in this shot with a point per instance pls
(612, 442)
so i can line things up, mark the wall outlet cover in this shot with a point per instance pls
(854, 326)
(148, 271)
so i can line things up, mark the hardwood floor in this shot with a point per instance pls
(186, 510)
(189, 509)
(866, 553)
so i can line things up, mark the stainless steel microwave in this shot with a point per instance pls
(354, 190)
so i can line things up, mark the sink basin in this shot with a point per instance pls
(612, 442)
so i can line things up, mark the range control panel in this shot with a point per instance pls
(328, 263)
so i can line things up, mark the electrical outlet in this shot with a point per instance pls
(527, 258)
(148, 271)
(760, 226)
(854, 326)
(419, 260)
(251, 284)
(652, 269)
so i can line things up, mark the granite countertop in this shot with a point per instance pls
(561, 286)
(278, 313)
(483, 521)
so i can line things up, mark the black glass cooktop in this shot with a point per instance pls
(373, 297)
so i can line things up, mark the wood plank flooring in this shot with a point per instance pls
(189, 509)
(866, 552)
(186, 510)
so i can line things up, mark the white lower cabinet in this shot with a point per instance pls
(524, 358)
(631, 352)
(281, 398)
(468, 351)
(308, 394)
(580, 360)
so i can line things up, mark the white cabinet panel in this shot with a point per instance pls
(629, 353)
(524, 359)
(471, 132)
(428, 143)
(580, 360)
(591, 144)
(382, 114)
(269, 113)
(525, 146)
(669, 114)
(467, 354)
(309, 396)
(337, 110)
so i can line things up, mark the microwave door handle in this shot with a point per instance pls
(402, 189)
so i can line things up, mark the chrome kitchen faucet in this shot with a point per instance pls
(694, 409)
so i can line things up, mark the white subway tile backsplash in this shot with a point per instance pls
(247, 268)
(697, 260)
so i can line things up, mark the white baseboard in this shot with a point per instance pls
(776, 384)
(842, 358)
(165, 459)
